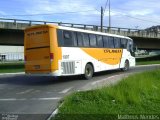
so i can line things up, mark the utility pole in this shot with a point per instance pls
(109, 14)
(101, 19)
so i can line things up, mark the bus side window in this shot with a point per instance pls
(93, 41)
(60, 37)
(80, 39)
(100, 41)
(74, 34)
(110, 42)
(129, 45)
(123, 43)
(67, 38)
(86, 40)
(105, 40)
(117, 42)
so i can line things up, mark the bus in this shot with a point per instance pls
(52, 50)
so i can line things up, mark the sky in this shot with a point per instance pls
(139, 14)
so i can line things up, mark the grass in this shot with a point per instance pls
(147, 62)
(137, 94)
(11, 67)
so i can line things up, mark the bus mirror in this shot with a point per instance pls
(134, 48)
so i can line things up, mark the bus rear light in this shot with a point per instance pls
(51, 56)
(25, 58)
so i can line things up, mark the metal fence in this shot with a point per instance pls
(11, 57)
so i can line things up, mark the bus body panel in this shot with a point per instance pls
(100, 59)
(127, 56)
(55, 51)
(41, 50)
(37, 49)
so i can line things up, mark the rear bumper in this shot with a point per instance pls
(56, 73)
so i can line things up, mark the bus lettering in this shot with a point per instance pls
(112, 51)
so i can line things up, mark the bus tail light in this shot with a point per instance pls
(25, 58)
(51, 56)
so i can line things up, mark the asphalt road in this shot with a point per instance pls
(35, 98)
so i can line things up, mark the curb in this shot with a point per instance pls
(147, 65)
(18, 73)
(54, 112)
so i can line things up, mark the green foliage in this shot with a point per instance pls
(11, 67)
(137, 94)
(148, 60)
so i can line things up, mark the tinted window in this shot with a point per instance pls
(99, 41)
(130, 45)
(67, 38)
(124, 43)
(85, 39)
(110, 42)
(93, 41)
(60, 37)
(117, 42)
(105, 40)
(80, 39)
(74, 34)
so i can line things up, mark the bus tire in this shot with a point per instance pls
(126, 66)
(88, 73)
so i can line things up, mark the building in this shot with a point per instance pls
(11, 53)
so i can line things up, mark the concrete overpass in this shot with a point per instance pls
(12, 32)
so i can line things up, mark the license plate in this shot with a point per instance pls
(37, 66)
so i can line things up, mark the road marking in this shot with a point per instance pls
(26, 91)
(53, 98)
(66, 90)
(36, 91)
(23, 99)
(12, 99)
(104, 79)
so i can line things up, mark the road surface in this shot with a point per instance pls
(35, 98)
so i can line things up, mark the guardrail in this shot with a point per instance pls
(113, 30)
(83, 26)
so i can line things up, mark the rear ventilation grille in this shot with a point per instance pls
(68, 67)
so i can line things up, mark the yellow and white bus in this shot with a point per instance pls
(63, 51)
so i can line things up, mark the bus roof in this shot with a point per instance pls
(38, 26)
(77, 30)
(90, 31)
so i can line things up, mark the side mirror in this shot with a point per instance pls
(134, 48)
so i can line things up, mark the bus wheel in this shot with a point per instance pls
(88, 71)
(126, 66)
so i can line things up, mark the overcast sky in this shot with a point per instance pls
(124, 13)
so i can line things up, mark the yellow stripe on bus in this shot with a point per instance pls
(107, 56)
